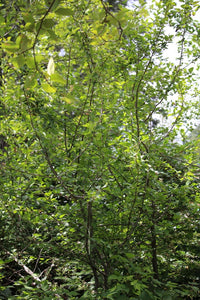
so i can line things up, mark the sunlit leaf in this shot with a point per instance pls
(48, 88)
(70, 100)
(10, 47)
(56, 77)
(51, 66)
(30, 61)
(18, 61)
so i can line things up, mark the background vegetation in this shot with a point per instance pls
(99, 198)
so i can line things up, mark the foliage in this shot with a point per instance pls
(98, 200)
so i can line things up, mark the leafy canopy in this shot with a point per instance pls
(98, 200)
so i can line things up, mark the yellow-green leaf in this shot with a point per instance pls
(10, 47)
(48, 88)
(30, 62)
(56, 77)
(29, 27)
(25, 43)
(70, 100)
(18, 61)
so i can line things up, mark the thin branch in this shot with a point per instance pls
(135, 95)
(37, 261)
(173, 125)
(26, 269)
(118, 183)
(47, 271)
(81, 116)
(41, 23)
(107, 11)
(67, 87)
(46, 154)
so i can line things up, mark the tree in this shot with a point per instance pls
(92, 191)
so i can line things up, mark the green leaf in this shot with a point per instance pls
(48, 23)
(48, 88)
(90, 125)
(30, 27)
(70, 100)
(51, 34)
(10, 47)
(56, 77)
(191, 70)
(115, 277)
(130, 255)
(39, 58)
(118, 288)
(25, 43)
(28, 18)
(18, 61)
(55, 4)
(30, 21)
(30, 82)
(167, 297)
(30, 62)
(146, 295)
(64, 11)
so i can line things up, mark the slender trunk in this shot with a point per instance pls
(154, 244)
(89, 234)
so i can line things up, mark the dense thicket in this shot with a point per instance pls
(99, 197)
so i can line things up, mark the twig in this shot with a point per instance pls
(26, 269)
